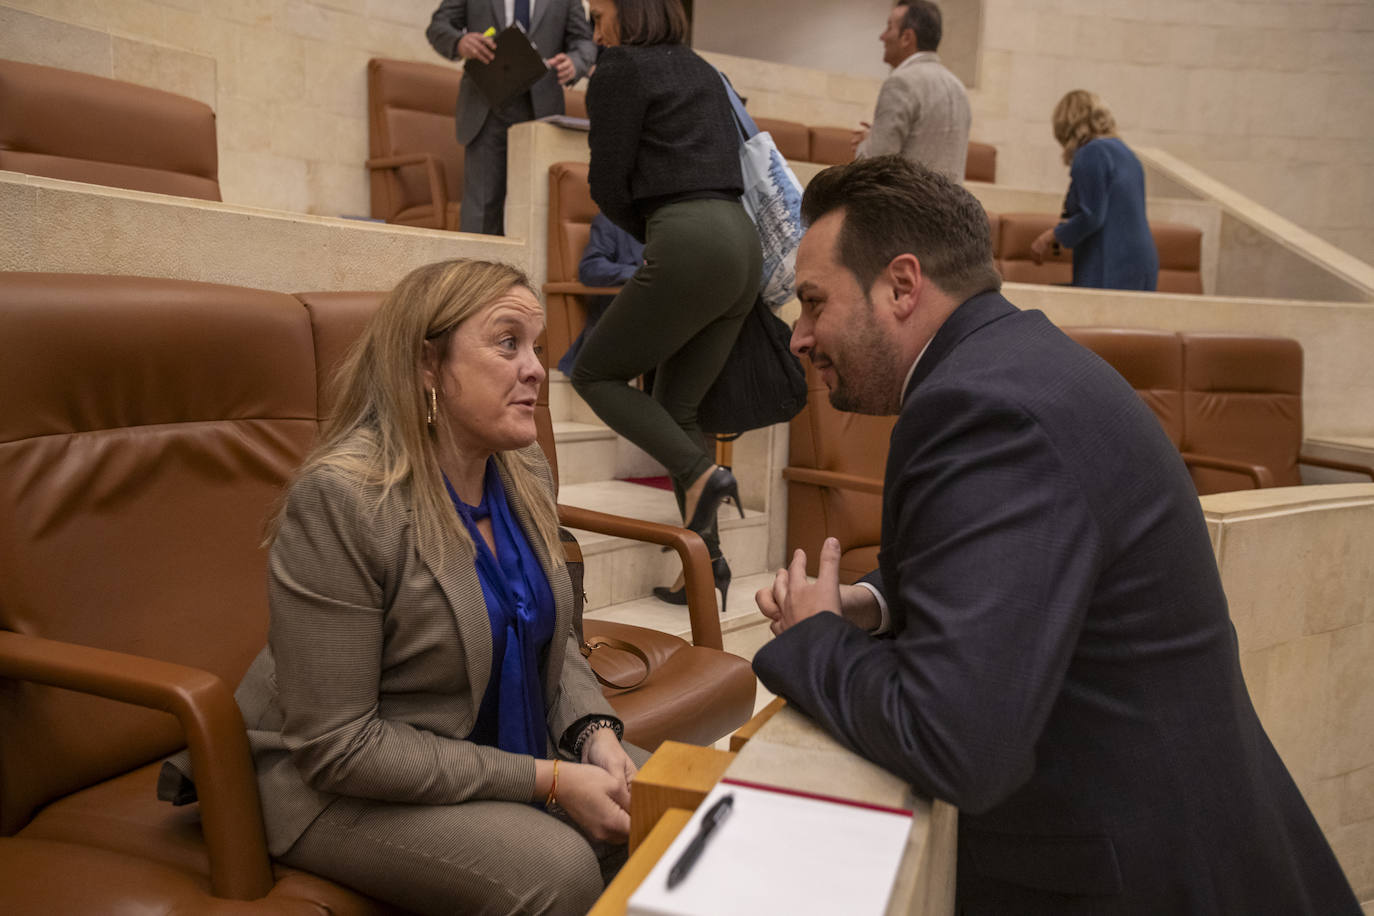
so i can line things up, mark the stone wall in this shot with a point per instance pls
(1273, 97)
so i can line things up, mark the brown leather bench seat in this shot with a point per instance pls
(77, 127)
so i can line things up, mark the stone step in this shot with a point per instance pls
(621, 570)
(589, 452)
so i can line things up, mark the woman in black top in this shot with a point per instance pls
(665, 167)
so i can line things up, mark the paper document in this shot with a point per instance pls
(781, 852)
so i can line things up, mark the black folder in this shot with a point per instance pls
(516, 67)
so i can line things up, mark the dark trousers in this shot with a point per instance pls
(484, 169)
(679, 315)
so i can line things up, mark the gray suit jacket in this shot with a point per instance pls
(377, 661)
(556, 26)
(922, 114)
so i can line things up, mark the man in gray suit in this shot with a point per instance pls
(1046, 643)
(922, 111)
(558, 29)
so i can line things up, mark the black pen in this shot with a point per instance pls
(719, 811)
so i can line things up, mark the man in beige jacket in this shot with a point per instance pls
(923, 111)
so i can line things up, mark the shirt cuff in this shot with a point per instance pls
(885, 615)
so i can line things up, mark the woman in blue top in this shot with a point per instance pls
(423, 726)
(1104, 219)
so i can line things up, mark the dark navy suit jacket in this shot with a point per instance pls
(1062, 666)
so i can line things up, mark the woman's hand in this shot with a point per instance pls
(596, 800)
(603, 749)
(1040, 248)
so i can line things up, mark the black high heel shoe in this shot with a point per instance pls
(720, 571)
(719, 485)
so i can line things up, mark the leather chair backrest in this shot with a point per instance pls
(1242, 399)
(574, 103)
(410, 109)
(792, 139)
(848, 443)
(1015, 235)
(981, 163)
(135, 482)
(571, 210)
(77, 127)
(830, 145)
(336, 321)
(1152, 361)
(1180, 257)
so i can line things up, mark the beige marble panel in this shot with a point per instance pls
(264, 180)
(169, 69)
(90, 229)
(38, 40)
(18, 221)
(344, 186)
(1357, 795)
(1352, 702)
(1354, 848)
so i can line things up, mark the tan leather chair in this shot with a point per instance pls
(1016, 232)
(1230, 403)
(792, 139)
(570, 224)
(981, 163)
(1180, 257)
(830, 145)
(574, 103)
(835, 481)
(414, 158)
(146, 431)
(1179, 248)
(1242, 401)
(77, 127)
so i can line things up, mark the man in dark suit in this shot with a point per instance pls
(558, 29)
(1046, 644)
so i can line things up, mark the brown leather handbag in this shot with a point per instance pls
(577, 573)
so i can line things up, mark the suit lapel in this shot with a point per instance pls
(498, 14)
(457, 578)
(537, 15)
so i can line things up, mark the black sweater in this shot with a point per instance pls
(662, 131)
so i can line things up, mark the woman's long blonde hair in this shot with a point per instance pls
(379, 433)
(1079, 117)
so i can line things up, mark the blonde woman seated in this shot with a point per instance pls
(1104, 219)
(423, 726)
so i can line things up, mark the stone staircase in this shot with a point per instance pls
(621, 574)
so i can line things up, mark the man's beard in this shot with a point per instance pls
(869, 384)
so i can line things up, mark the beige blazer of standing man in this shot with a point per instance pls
(923, 110)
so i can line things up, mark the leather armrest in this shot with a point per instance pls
(438, 194)
(574, 288)
(833, 479)
(231, 814)
(1337, 465)
(696, 562)
(1260, 476)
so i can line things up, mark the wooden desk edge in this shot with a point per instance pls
(748, 729)
(616, 898)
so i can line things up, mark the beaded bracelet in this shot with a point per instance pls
(593, 726)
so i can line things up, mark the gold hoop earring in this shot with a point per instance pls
(432, 408)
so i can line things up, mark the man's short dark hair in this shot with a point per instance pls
(923, 17)
(893, 206)
(651, 22)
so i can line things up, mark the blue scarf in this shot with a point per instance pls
(520, 608)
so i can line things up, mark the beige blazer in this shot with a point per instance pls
(377, 662)
(922, 114)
